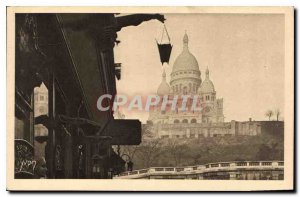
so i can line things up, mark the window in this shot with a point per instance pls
(193, 121)
(41, 97)
(185, 121)
(185, 90)
(176, 121)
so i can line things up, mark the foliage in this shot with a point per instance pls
(188, 152)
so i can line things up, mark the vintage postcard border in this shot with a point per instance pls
(156, 185)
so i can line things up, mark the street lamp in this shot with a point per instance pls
(164, 49)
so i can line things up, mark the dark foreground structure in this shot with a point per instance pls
(72, 54)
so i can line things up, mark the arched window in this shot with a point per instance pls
(193, 121)
(176, 121)
(184, 90)
(185, 121)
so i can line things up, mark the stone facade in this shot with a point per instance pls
(185, 80)
(198, 130)
(40, 108)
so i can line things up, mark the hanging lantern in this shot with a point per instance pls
(164, 49)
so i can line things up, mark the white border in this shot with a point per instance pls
(112, 184)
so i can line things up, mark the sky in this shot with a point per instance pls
(244, 53)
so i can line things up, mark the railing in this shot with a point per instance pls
(237, 165)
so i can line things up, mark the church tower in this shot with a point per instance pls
(212, 107)
(186, 75)
(164, 88)
(186, 80)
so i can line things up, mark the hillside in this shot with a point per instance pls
(185, 151)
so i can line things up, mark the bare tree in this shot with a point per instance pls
(177, 150)
(277, 114)
(150, 150)
(269, 114)
(128, 150)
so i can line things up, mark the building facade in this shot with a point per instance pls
(185, 80)
(72, 55)
(40, 131)
(198, 130)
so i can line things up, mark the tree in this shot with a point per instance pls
(264, 152)
(149, 151)
(277, 114)
(128, 150)
(269, 114)
(177, 150)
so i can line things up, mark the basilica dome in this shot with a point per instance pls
(186, 60)
(207, 85)
(164, 87)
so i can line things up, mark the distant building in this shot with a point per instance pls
(208, 122)
(40, 108)
(40, 131)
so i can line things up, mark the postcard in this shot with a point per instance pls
(150, 98)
